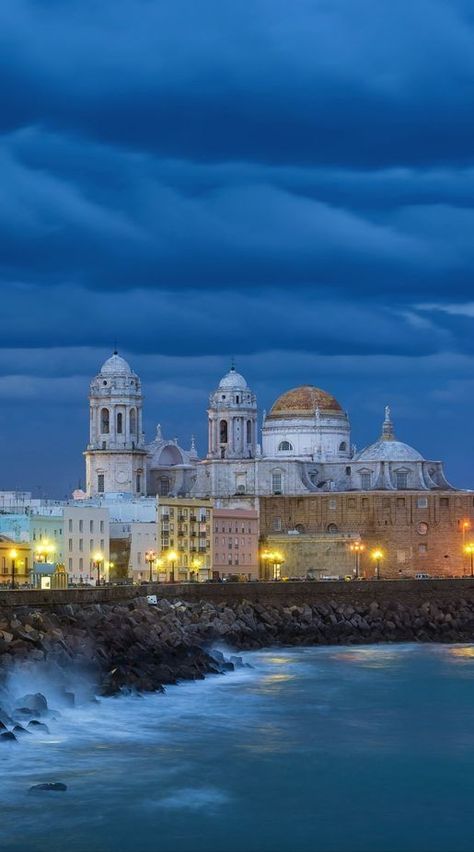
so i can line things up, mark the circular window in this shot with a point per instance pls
(332, 528)
(422, 528)
(104, 382)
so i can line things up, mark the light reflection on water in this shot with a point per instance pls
(337, 749)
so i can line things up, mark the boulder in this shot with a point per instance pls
(8, 736)
(36, 702)
(38, 726)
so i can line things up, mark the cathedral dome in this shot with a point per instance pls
(116, 366)
(387, 448)
(390, 451)
(303, 402)
(233, 381)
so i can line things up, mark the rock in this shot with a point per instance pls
(19, 730)
(48, 787)
(36, 702)
(38, 726)
(8, 736)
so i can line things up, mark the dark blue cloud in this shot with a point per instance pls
(292, 184)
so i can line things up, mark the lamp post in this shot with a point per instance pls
(171, 557)
(465, 526)
(357, 549)
(469, 549)
(13, 555)
(377, 555)
(150, 557)
(97, 560)
(159, 565)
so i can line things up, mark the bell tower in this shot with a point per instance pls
(232, 419)
(116, 453)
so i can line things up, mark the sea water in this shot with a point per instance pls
(356, 748)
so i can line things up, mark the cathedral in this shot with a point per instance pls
(303, 448)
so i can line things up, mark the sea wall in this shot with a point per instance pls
(132, 643)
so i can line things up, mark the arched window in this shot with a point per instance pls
(133, 421)
(119, 423)
(300, 528)
(249, 431)
(277, 482)
(333, 529)
(342, 447)
(223, 431)
(284, 447)
(105, 421)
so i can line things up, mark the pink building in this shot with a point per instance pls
(236, 533)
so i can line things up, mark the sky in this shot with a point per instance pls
(289, 184)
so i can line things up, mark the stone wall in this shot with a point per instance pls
(419, 531)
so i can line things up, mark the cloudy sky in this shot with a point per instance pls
(288, 183)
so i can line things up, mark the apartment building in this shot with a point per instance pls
(184, 539)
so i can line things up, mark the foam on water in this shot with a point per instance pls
(317, 748)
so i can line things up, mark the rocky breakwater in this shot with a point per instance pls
(143, 646)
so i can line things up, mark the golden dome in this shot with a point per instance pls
(303, 402)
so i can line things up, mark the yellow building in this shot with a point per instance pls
(184, 539)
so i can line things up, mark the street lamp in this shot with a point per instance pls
(357, 549)
(97, 560)
(43, 550)
(377, 555)
(465, 526)
(150, 557)
(469, 549)
(172, 557)
(13, 556)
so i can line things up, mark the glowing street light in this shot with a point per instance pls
(377, 555)
(469, 550)
(195, 565)
(44, 550)
(266, 557)
(465, 526)
(172, 557)
(150, 557)
(357, 549)
(97, 560)
(277, 560)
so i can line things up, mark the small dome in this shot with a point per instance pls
(116, 366)
(390, 451)
(233, 381)
(303, 402)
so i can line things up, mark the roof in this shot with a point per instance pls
(303, 402)
(233, 381)
(116, 366)
(391, 451)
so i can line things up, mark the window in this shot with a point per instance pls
(91, 526)
(101, 483)
(284, 447)
(401, 479)
(343, 447)
(237, 399)
(333, 529)
(91, 544)
(164, 486)
(70, 544)
(102, 526)
(81, 563)
(70, 525)
(4, 564)
(139, 482)
(422, 502)
(249, 431)
(444, 502)
(119, 423)
(70, 565)
(400, 502)
(401, 556)
(223, 431)
(105, 421)
(351, 503)
(348, 471)
(365, 481)
(133, 421)
(81, 526)
(365, 503)
(277, 482)
(81, 544)
(422, 549)
(333, 504)
(422, 528)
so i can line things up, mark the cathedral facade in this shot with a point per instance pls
(303, 448)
